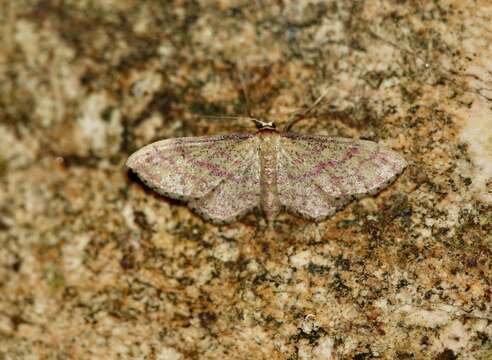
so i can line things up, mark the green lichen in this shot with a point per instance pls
(316, 269)
(54, 277)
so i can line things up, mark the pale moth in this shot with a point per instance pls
(224, 177)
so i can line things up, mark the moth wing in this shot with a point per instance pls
(191, 167)
(234, 196)
(320, 174)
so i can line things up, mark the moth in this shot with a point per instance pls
(224, 177)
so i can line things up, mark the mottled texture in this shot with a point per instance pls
(95, 266)
(218, 175)
(225, 177)
(318, 174)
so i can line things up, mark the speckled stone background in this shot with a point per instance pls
(95, 266)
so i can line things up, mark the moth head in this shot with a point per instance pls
(262, 125)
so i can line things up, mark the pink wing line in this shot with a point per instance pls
(219, 175)
(320, 174)
(232, 197)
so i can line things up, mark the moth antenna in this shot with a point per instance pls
(260, 124)
(298, 116)
(234, 117)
